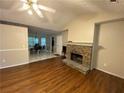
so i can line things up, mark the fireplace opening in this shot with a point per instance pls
(77, 58)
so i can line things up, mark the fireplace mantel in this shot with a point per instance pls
(80, 43)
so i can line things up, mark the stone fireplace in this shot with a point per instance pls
(79, 56)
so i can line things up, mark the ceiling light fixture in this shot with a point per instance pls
(32, 5)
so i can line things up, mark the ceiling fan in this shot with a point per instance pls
(32, 5)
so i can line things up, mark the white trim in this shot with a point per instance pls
(110, 73)
(18, 49)
(30, 61)
(40, 59)
(14, 65)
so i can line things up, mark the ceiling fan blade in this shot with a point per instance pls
(34, 1)
(24, 1)
(24, 7)
(46, 8)
(30, 12)
(35, 7)
(39, 13)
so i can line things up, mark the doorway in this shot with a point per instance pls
(43, 43)
(53, 44)
(39, 46)
(109, 43)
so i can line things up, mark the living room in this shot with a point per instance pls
(61, 46)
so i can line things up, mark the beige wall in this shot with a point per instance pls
(82, 28)
(0, 47)
(14, 45)
(111, 48)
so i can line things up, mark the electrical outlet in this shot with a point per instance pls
(0, 64)
(3, 60)
(105, 64)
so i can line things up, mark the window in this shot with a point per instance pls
(43, 41)
(32, 41)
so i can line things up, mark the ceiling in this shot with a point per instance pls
(66, 11)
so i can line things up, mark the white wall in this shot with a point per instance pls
(59, 44)
(111, 48)
(14, 45)
(82, 28)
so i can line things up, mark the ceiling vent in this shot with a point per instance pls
(113, 1)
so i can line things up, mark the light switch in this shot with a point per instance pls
(3, 60)
(23, 46)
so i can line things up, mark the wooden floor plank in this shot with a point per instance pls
(53, 76)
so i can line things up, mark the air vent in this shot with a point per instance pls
(113, 1)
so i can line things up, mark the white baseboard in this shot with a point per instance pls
(17, 49)
(110, 73)
(14, 65)
(24, 63)
(40, 59)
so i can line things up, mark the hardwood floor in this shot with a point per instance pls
(53, 76)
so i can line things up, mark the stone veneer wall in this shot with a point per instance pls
(85, 51)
